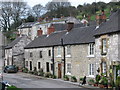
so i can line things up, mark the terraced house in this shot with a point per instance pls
(14, 52)
(107, 43)
(67, 52)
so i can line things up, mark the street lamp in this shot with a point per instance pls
(63, 55)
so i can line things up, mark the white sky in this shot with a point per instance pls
(73, 2)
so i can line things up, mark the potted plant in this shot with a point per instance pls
(25, 70)
(66, 78)
(40, 72)
(48, 75)
(118, 82)
(97, 79)
(91, 81)
(81, 80)
(103, 82)
(73, 79)
(54, 76)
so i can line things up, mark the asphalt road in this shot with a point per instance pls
(22, 80)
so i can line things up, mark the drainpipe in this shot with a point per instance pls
(63, 55)
(53, 60)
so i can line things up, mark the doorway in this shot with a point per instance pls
(47, 66)
(30, 65)
(59, 70)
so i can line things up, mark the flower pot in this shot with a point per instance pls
(101, 86)
(95, 85)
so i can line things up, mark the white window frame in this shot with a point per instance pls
(104, 67)
(58, 51)
(91, 50)
(68, 51)
(69, 68)
(91, 70)
(104, 46)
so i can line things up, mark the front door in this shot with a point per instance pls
(47, 67)
(30, 65)
(59, 70)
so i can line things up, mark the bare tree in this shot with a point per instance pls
(38, 10)
(11, 12)
(19, 9)
(6, 12)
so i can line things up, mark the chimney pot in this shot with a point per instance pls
(70, 26)
(51, 29)
(39, 32)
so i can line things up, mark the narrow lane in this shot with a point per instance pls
(22, 80)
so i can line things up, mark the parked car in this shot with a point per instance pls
(10, 68)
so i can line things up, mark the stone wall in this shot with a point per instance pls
(79, 59)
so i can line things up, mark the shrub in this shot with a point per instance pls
(40, 72)
(91, 81)
(48, 75)
(73, 79)
(54, 76)
(35, 73)
(25, 70)
(66, 78)
(103, 81)
(31, 72)
(13, 88)
(118, 81)
(81, 79)
(97, 78)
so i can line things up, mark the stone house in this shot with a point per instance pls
(67, 52)
(31, 29)
(107, 43)
(14, 52)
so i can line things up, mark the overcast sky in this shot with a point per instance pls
(73, 2)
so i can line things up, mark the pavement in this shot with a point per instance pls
(74, 83)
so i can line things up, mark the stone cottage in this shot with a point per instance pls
(67, 52)
(14, 52)
(107, 43)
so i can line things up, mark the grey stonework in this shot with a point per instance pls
(78, 59)
(113, 50)
(15, 55)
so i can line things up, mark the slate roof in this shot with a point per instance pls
(59, 27)
(13, 43)
(26, 25)
(80, 35)
(110, 26)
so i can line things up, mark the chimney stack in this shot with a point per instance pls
(39, 32)
(51, 29)
(101, 18)
(70, 26)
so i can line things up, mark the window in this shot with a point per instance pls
(68, 50)
(49, 52)
(26, 63)
(91, 69)
(40, 54)
(104, 46)
(91, 49)
(69, 68)
(104, 67)
(39, 65)
(59, 50)
(31, 54)
(52, 67)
